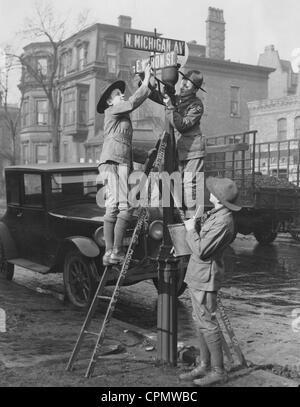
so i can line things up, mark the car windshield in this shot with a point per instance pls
(69, 187)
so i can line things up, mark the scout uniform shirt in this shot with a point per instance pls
(186, 120)
(117, 145)
(205, 270)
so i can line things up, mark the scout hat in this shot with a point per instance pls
(195, 77)
(102, 104)
(225, 190)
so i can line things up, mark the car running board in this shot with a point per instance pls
(28, 264)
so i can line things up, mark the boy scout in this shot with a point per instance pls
(185, 116)
(116, 162)
(204, 277)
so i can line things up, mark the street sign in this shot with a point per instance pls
(153, 44)
(157, 61)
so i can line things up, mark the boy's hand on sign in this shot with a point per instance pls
(190, 224)
(153, 82)
(147, 72)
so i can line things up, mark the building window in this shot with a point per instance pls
(92, 154)
(42, 153)
(69, 108)
(297, 127)
(25, 153)
(81, 56)
(83, 106)
(111, 53)
(66, 152)
(25, 113)
(42, 112)
(42, 66)
(234, 101)
(281, 129)
(66, 62)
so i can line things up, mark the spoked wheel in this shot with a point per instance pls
(79, 280)
(181, 285)
(6, 269)
(295, 234)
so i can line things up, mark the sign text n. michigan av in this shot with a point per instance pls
(153, 44)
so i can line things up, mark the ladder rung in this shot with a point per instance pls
(104, 297)
(91, 333)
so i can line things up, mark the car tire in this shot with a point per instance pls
(265, 237)
(6, 269)
(79, 281)
(181, 284)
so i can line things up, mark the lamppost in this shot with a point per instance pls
(168, 264)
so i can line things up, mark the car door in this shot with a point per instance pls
(33, 218)
(13, 214)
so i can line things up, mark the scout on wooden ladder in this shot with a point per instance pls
(153, 160)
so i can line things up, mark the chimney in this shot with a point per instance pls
(215, 34)
(124, 21)
(270, 57)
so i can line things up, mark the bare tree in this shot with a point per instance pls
(9, 114)
(48, 24)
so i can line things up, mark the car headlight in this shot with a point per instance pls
(156, 229)
(99, 236)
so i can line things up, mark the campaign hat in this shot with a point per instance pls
(225, 190)
(102, 104)
(195, 77)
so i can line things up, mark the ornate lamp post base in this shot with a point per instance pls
(167, 307)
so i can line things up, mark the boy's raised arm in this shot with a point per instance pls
(139, 96)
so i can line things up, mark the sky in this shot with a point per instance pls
(250, 24)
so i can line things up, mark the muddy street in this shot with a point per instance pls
(260, 294)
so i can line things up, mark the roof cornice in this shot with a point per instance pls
(219, 64)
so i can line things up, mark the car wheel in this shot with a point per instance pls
(6, 269)
(79, 281)
(265, 237)
(181, 285)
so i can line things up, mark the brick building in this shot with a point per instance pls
(277, 118)
(95, 56)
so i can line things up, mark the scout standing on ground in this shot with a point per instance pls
(116, 162)
(204, 276)
(185, 116)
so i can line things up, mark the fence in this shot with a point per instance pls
(280, 159)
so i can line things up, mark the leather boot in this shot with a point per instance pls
(106, 258)
(117, 256)
(215, 376)
(108, 233)
(199, 371)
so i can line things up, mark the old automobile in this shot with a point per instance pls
(53, 224)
